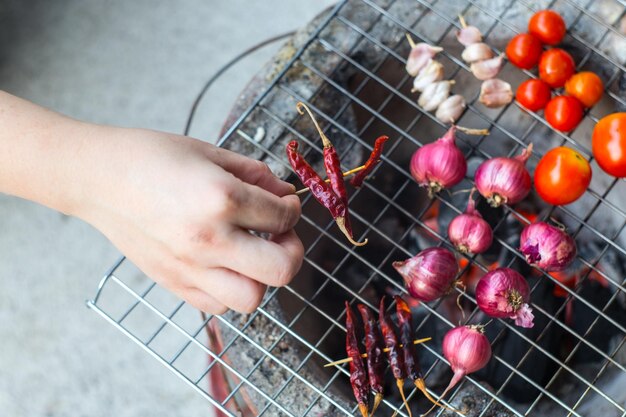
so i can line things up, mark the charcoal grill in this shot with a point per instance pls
(347, 65)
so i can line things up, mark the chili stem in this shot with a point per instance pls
(345, 174)
(364, 355)
(325, 141)
(469, 131)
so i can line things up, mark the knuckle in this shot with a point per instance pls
(286, 270)
(262, 168)
(225, 200)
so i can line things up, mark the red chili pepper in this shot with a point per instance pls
(407, 335)
(374, 350)
(358, 376)
(371, 162)
(396, 360)
(333, 169)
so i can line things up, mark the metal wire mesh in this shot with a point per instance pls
(170, 331)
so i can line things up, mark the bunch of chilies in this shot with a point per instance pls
(432, 273)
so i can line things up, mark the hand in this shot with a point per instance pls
(181, 210)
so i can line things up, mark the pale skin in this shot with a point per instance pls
(178, 208)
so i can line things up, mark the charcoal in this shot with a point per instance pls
(472, 401)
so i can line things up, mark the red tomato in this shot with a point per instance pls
(533, 94)
(524, 51)
(586, 86)
(548, 26)
(555, 67)
(609, 144)
(562, 176)
(564, 113)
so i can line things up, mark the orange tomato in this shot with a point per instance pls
(562, 176)
(609, 144)
(586, 86)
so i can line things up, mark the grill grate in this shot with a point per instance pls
(169, 329)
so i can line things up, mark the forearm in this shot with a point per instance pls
(43, 154)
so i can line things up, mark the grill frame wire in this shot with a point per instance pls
(323, 230)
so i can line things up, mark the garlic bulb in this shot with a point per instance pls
(419, 56)
(432, 72)
(476, 52)
(487, 69)
(434, 94)
(495, 93)
(451, 109)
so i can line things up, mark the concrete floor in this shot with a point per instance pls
(129, 63)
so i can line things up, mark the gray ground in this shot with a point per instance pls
(130, 63)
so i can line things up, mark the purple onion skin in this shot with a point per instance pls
(430, 274)
(440, 164)
(547, 247)
(467, 349)
(504, 293)
(469, 232)
(504, 180)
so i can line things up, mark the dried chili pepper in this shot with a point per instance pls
(371, 162)
(374, 350)
(396, 360)
(409, 352)
(333, 170)
(320, 189)
(358, 375)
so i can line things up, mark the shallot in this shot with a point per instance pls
(432, 72)
(430, 274)
(451, 109)
(487, 69)
(504, 292)
(504, 180)
(476, 52)
(468, 350)
(419, 56)
(469, 232)
(547, 247)
(434, 94)
(495, 93)
(440, 164)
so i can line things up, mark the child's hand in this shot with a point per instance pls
(180, 209)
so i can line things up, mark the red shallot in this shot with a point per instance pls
(419, 56)
(468, 350)
(495, 93)
(440, 164)
(469, 232)
(547, 247)
(504, 292)
(430, 274)
(504, 180)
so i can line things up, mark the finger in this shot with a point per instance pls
(203, 302)
(273, 262)
(229, 288)
(261, 211)
(252, 172)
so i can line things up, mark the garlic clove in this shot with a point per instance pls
(469, 35)
(419, 56)
(432, 72)
(495, 93)
(451, 109)
(476, 52)
(489, 68)
(434, 94)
